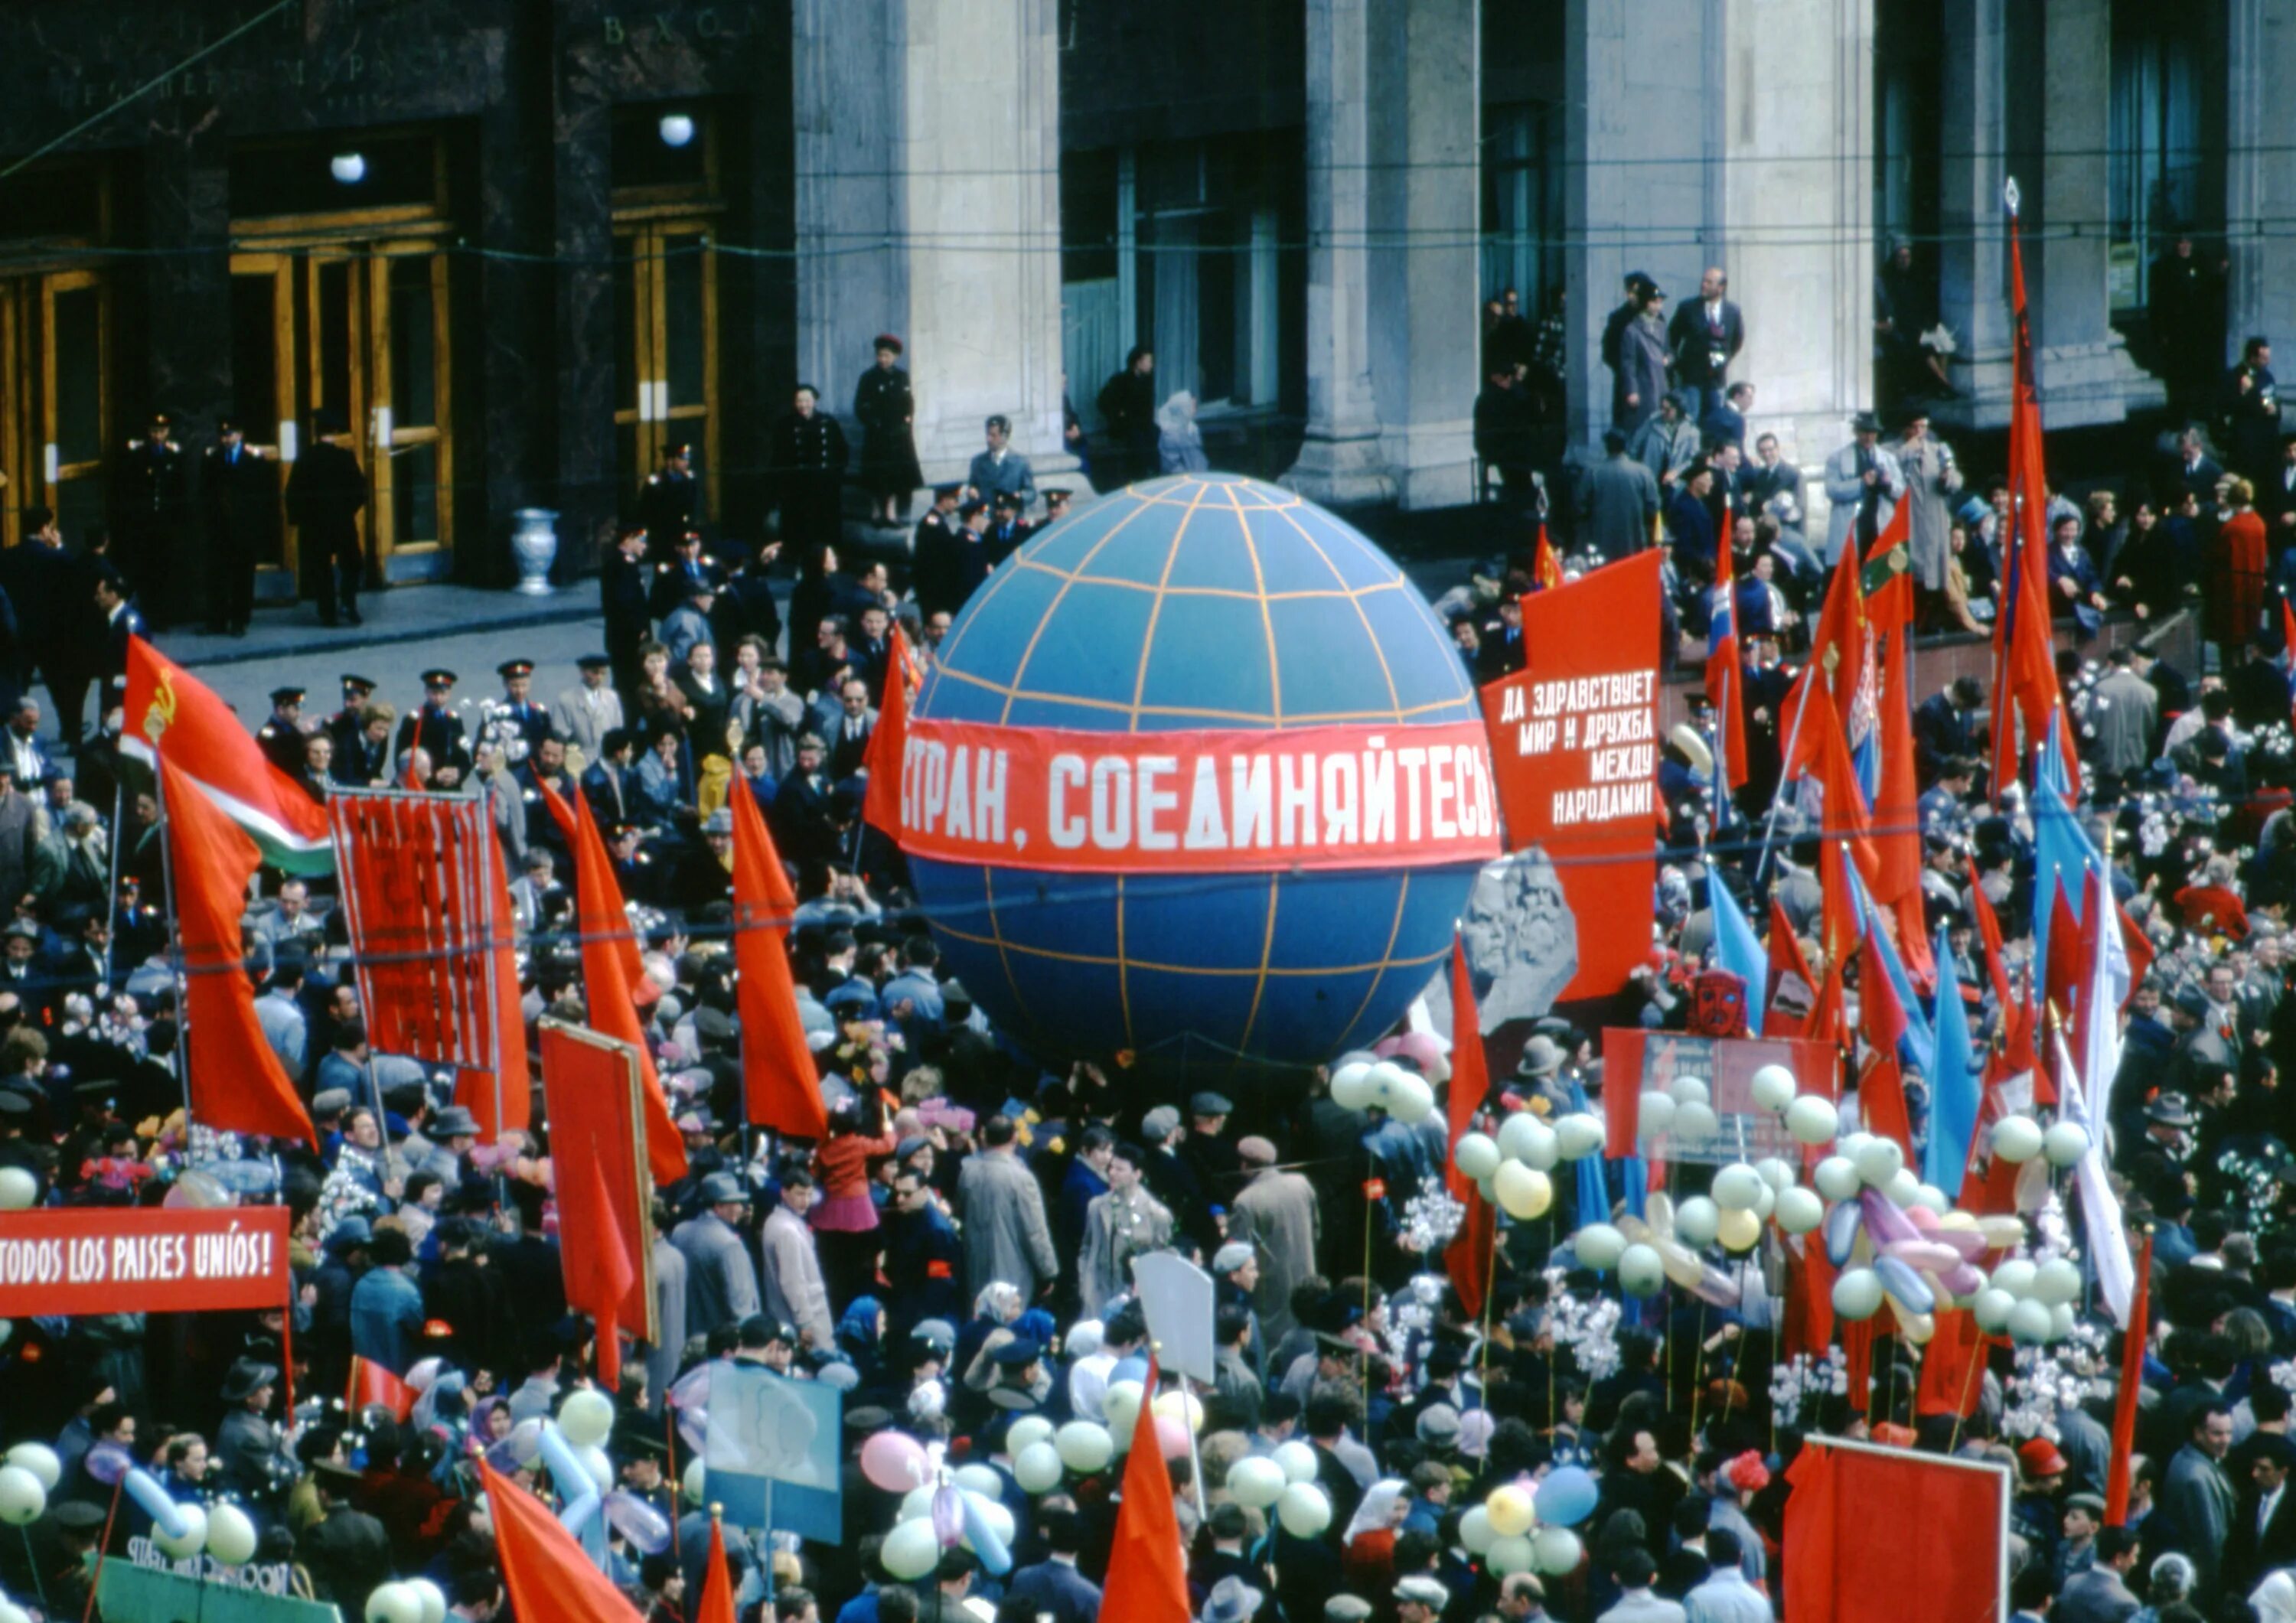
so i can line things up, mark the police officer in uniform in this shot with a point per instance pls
(532, 719)
(676, 576)
(241, 508)
(345, 1551)
(670, 503)
(281, 736)
(435, 728)
(345, 725)
(625, 593)
(154, 501)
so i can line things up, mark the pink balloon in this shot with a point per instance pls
(1172, 1435)
(893, 1461)
(1923, 1254)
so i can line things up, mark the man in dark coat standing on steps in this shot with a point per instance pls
(324, 495)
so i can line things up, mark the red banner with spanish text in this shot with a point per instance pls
(1574, 749)
(1372, 796)
(162, 1259)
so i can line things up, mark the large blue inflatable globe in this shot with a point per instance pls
(1204, 603)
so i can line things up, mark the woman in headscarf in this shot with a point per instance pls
(1180, 443)
(1367, 1556)
(860, 1336)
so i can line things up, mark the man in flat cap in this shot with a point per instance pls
(1277, 1214)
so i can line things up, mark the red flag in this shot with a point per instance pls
(717, 1580)
(1808, 1326)
(1545, 568)
(237, 1083)
(781, 1085)
(2132, 1385)
(513, 1081)
(1144, 1564)
(1468, 1259)
(1951, 1377)
(600, 1274)
(1792, 984)
(2288, 629)
(889, 741)
(1882, 1022)
(1896, 799)
(374, 1383)
(1823, 752)
(543, 1566)
(612, 970)
(1889, 605)
(1837, 653)
(1723, 675)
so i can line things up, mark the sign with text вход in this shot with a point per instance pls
(143, 1260)
(135, 1592)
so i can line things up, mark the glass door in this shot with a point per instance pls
(407, 411)
(263, 383)
(665, 350)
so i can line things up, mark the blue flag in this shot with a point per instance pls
(2062, 857)
(1736, 948)
(1953, 1085)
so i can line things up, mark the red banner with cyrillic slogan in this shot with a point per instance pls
(1332, 797)
(1574, 747)
(166, 1259)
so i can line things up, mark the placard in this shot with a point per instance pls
(595, 1095)
(771, 1456)
(131, 1591)
(144, 1259)
(1636, 1061)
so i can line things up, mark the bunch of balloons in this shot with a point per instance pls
(417, 1600)
(940, 1510)
(1513, 1169)
(1522, 1529)
(1360, 1081)
(1284, 1482)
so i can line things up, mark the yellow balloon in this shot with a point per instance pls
(1524, 1192)
(1681, 1263)
(1739, 1231)
(1915, 1327)
(1510, 1510)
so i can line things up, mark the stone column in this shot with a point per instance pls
(1973, 257)
(582, 159)
(920, 214)
(187, 317)
(2259, 175)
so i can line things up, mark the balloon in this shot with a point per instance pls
(1925, 1255)
(1654, 1114)
(1963, 1280)
(1836, 1177)
(1696, 1121)
(1680, 1262)
(393, 1603)
(911, 1550)
(1298, 1460)
(2060, 1321)
(1477, 1155)
(1857, 1293)
(2016, 1138)
(1509, 1556)
(587, 1418)
(1037, 1468)
(1027, 1430)
(1800, 1210)
(9, 1612)
(2056, 1283)
(1523, 1192)
(1515, 1134)
(2065, 1142)
(194, 1534)
(2016, 1276)
(1085, 1448)
(632, 1517)
(41, 1461)
(167, 1516)
(1902, 1187)
(1567, 1496)
(1903, 1286)
(893, 1461)
(2029, 1322)
(989, 1530)
(231, 1537)
(1927, 1198)
(1843, 1224)
(979, 1478)
(1641, 1271)
(594, 1461)
(1410, 1100)
(1351, 1087)
(1919, 1328)
(1578, 1135)
(1736, 1187)
(1598, 1246)
(1120, 1408)
(1303, 1511)
(433, 1598)
(1255, 1481)
(108, 1462)
(525, 1439)
(1689, 1090)
(1511, 1512)
(1992, 1310)
(1776, 1173)
(2001, 1233)
(696, 1474)
(1557, 1550)
(1812, 1120)
(1172, 1437)
(1739, 1231)
(1474, 1530)
(1694, 1221)
(1184, 1406)
(17, 1189)
(22, 1499)
(1773, 1087)
(1879, 1159)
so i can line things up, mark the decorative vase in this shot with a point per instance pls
(534, 543)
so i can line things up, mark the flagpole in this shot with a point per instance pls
(1770, 830)
(175, 939)
(111, 897)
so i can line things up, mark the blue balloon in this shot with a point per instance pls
(1566, 1497)
(985, 1545)
(1199, 602)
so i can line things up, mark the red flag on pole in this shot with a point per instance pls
(889, 741)
(781, 1085)
(543, 1566)
(237, 1084)
(1896, 799)
(1468, 1257)
(1545, 568)
(375, 1383)
(1792, 984)
(1723, 675)
(2132, 1385)
(602, 1275)
(1144, 1564)
(511, 1082)
(717, 1580)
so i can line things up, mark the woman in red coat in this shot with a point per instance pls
(2236, 571)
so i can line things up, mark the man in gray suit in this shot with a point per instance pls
(1005, 1235)
(668, 1351)
(1864, 483)
(1000, 469)
(1618, 502)
(721, 1282)
(583, 714)
(2100, 1594)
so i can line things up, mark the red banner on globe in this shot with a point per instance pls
(1574, 748)
(1374, 796)
(143, 1260)
(418, 900)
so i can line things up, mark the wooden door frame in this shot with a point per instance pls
(649, 231)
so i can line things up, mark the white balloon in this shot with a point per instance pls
(1694, 1222)
(433, 1598)
(22, 1499)
(1857, 1293)
(1690, 1090)
(1836, 1177)
(41, 1461)
(1930, 1198)
(1352, 1086)
(1517, 1134)
(1084, 1447)
(1800, 1210)
(1475, 1531)
(981, 1480)
(1879, 1159)
(2029, 1322)
(1578, 1135)
(1737, 1187)
(917, 1502)
(17, 1189)
(1255, 1481)
(1812, 1120)
(9, 1612)
(392, 1604)
(1696, 1121)
(1509, 1556)
(911, 1550)
(1642, 1271)
(2016, 1138)
(2065, 1142)
(1992, 1310)
(1776, 1172)
(586, 1418)
(1298, 1460)
(1037, 1468)
(1765, 1202)
(1026, 1431)
(1121, 1407)
(2056, 1283)
(195, 1532)
(993, 1513)
(1476, 1154)
(1386, 1076)
(697, 1473)
(1410, 1099)
(1773, 1087)
(1654, 1114)
(2060, 1321)
(1557, 1550)
(2016, 1276)
(1902, 1187)
(1598, 1246)
(1303, 1511)
(601, 1468)
(231, 1538)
